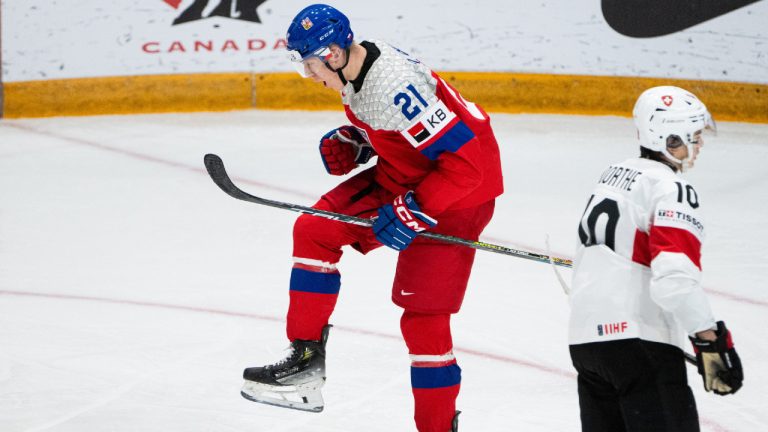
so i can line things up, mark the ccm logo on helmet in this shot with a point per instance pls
(328, 33)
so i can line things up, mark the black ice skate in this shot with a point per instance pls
(455, 422)
(293, 382)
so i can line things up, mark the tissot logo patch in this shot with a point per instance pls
(672, 217)
(429, 125)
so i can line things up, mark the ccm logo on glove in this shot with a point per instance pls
(405, 214)
(399, 222)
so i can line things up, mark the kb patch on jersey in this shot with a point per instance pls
(429, 125)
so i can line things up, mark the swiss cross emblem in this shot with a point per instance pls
(667, 100)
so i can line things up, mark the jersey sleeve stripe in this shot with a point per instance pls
(675, 240)
(452, 140)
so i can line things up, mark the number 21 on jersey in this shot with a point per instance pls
(412, 103)
(408, 106)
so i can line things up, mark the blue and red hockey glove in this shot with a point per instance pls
(343, 149)
(399, 222)
(718, 363)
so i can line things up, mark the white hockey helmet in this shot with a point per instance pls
(667, 111)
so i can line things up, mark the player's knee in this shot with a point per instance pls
(307, 226)
(426, 333)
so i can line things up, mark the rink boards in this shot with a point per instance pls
(495, 91)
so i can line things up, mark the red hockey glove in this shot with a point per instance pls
(399, 222)
(343, 149)
(718, 362)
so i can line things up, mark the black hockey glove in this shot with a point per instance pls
(718, 363)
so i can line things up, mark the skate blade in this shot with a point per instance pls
(302, 397)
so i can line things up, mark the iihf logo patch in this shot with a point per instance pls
(612, 328)
(306, 23)
(667, 99)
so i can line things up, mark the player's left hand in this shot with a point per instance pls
(719, 365)
(399, 222)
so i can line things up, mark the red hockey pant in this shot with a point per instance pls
(430, 282)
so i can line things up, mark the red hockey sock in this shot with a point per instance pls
(435, 407)
(313, 298)
(435, 376)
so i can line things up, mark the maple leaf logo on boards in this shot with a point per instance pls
(236, 9)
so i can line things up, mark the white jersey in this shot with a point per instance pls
(637, 270)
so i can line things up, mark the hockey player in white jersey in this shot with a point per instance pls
(636, 289)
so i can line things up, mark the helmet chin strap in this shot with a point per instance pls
(680, 164)
(687, 163)
(684, 163)
(339, 70)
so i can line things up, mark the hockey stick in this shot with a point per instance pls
(218, 173)
(215, 167)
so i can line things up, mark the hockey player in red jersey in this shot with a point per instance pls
(636, 288)
(437, 168)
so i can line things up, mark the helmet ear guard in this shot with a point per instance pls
(668, 115)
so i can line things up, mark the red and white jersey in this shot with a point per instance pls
(427, 137)
(637, 270)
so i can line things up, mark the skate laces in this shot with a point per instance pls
(292, 351)
(296, 352)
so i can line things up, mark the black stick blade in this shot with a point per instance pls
(215, 167)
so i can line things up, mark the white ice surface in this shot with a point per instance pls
(133, 292)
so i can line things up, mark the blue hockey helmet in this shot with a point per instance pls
(313, 30)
